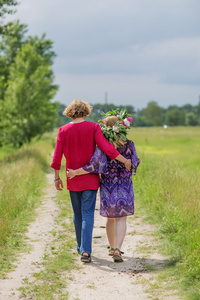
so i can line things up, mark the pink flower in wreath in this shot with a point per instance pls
(103, 121)
(122, 123)
(130, 119)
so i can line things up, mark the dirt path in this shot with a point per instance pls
(102, 278)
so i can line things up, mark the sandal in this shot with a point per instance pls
(85, 258)
(117, 257)
(111, 251)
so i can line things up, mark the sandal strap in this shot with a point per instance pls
(111, 249)
(120, 252)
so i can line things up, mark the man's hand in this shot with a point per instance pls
(59, 185)
(128, 164)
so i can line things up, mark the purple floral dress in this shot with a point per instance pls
(116, 188)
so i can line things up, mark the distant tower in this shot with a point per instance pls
(106, 102)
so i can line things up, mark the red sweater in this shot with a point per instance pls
(77, 141)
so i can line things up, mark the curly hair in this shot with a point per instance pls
(110, 121)
(77, 109)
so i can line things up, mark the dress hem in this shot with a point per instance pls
(131, 214)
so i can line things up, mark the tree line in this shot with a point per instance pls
(26, 82)
(173, 115)
(152, 115)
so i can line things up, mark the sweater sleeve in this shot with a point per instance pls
(58, 152)
(103, 144)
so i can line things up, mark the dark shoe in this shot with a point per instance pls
(85, 258)
(117, 257)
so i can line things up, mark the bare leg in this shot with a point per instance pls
(120, 231)
(111, 231)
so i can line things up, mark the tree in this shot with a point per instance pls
(13, 38)
(61, 119)
(43, 47)
(140, 121)
(175, 117)
(188, 108)
(191, 119)
(27, 106)
(5, 9)
(172, 107)
(130, 109)
(98, 108)
(152, 114)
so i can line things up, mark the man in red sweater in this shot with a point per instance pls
(77, 141)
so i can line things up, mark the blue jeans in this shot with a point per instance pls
(83, 204)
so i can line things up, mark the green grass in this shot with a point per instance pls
(4, 151)
(182, 144)
(21, 181)
(167, 189)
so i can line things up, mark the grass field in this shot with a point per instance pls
(167, 188)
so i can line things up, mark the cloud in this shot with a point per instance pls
(146, 48)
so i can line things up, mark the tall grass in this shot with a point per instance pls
(167, 187)
(21, 180)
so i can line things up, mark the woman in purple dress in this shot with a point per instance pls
(116, 189)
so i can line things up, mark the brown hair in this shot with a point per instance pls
(77, 109)
(110, 121)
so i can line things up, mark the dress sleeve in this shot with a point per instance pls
(98, 163)
(135, 161)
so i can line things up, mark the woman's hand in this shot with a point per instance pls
(128, 164)
(59, 185)
(71, 173)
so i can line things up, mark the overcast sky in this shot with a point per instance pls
(135, 50)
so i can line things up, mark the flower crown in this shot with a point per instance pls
(120, 127)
